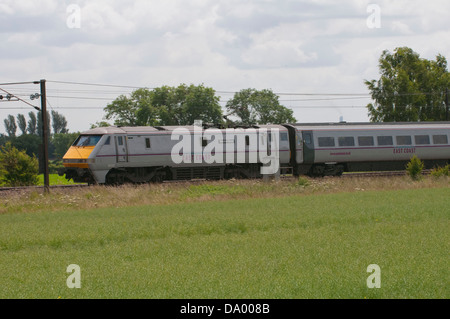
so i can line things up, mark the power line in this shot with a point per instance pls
(342, 95)
(98, 84)
(101, 107)
(96, 94)
(18, 83)
(226, 92)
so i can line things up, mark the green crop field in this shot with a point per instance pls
(308, 246)
(55, 179)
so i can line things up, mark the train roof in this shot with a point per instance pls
(151, 129)
(370, 125)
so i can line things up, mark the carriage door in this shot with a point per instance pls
(298, 147)
(121, 148)
(308, 147)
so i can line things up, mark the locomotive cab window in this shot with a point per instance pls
(422, 139)
(403, 140)
(120, 140)
(326, 141)
(147, 142)
(346, 141)
(365, 140)
(385, 140)
(87, 140)
(440, 139)
(108, 140)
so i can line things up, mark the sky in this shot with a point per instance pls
(314, 54)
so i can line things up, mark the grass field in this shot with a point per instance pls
(221, 240)
(54, 179)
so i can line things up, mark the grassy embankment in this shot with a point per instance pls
(232, 239)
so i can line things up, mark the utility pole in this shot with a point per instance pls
(45, 133)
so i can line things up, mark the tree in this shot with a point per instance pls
(3, 139)
(59, 123)
(22, 122)
(32, 124)
(100, 124)
(414, 168)
(410, 88)
(124, 110)
(10, 126)
(166, 106)
(62, 142)
(29, 143)
(16, 167)
(200, 103)
(184, 104)
(258, 107)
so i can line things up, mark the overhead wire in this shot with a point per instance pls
(103, 95)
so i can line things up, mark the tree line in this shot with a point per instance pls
(19, 154)
(30, 138)
(184, 104)
(34, 124)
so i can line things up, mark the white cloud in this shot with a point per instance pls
(28, 7)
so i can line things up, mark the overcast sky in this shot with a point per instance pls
(306, 51)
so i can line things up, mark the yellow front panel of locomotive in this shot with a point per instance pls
(77, 156)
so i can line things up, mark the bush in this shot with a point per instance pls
(303, 181)
(440, 171)
(17, 168)
(414, 168)
(54, 165)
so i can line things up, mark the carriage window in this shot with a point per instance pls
(403, 140)
(440, 139)
(422, 139)
(204, 142)
(283, 136)
(326, 141)
(120, 140)
(365, 140)
(346, 141)
(385, 140)
(147, 142)
(307, 139)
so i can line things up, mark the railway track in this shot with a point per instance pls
(41, 188)
(387, 173)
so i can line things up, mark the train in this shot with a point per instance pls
(117, 155)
